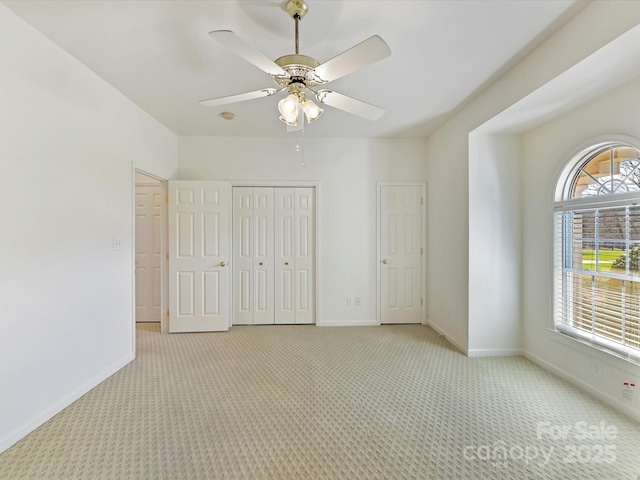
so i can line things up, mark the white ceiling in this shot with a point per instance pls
(159, 55)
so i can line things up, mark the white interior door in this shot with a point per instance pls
(148, 253)
(198, 256)
(400, 239)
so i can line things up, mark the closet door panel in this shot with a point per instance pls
(243, 252)
(284, 255)
(263, 256)
(304, 251)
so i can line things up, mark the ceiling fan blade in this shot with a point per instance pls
(365, 53)
(241, 97)
(246, 51)
(349, 104)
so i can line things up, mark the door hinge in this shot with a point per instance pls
(166, 199)
(167, 255)
(167, 313)
(421, 302)
(421, 200)
(421, 251)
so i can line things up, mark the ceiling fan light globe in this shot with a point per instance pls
(290, 119)
(288, 105)
(311, 111)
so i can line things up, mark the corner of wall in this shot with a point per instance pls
(15, 436)
(448, 337)
(608, 399)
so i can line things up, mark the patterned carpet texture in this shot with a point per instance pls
(303, 402)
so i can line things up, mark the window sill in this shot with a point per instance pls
(613, 358)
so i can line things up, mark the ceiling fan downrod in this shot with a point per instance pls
(297, 9)
(296, 17)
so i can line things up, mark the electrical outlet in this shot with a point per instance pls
(627, 390)
(349, 301)
(596, 369)
(358, 302)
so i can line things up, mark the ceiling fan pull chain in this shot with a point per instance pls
(300, 147)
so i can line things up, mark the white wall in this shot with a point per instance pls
(447, 152)
(536, 90)
(347, 170)
(546, 150)
(68, 143)
(495, 326)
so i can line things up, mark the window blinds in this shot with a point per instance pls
(597, 276)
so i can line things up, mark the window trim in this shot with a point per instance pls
(599, 343)
(564, 187)
(604, 355)
(574, 157)
(583, 158)
(587, 203)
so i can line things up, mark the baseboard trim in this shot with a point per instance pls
(347, 323)
(495, 352)
(612, 402)
(31, 425)
(447, 336)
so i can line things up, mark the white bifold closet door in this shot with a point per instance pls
(294, 255)
(274, 255)
(253, 255)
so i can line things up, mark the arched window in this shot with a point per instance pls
(597, 249)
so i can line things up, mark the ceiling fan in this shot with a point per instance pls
(300, 74)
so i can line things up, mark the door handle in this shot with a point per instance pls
(223, 264)
(385, 261)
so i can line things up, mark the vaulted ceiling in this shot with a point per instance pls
(159, 54)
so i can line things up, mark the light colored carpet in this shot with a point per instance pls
(302, 402)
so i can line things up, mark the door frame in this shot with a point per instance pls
(164, 249)
(423, 240)
(289, 184)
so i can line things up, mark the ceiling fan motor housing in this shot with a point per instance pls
(300, 70)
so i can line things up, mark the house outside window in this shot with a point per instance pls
(597, 249)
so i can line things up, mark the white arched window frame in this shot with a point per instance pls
(597, 248)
